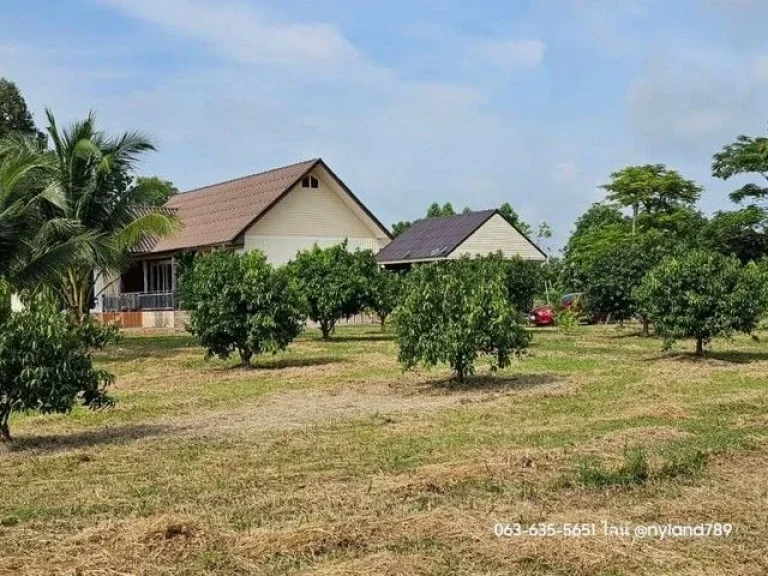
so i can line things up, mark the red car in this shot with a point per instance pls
(542, 316)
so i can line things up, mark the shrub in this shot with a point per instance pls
(703, 295)
(566, 320)
(454, 311)
(335, 282)
(46, 364)
(240, 303)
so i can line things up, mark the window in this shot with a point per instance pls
(309, 182)
(160, 276)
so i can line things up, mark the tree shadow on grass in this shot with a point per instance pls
(85, 439)
(269, 363)
(361, 338)
(632, 333)
(491, 383)
(729, 356)
(156, 347)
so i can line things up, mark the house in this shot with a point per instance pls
(280, 212)
(450, 237)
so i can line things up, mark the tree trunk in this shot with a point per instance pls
(635, 210)
(5, 432)
(699, 346)
(245, 357)
(326, 327)
(646, 327)
(76, 295)
(383, 320)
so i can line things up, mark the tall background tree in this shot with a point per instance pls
(15, 117)
(747, 155)
(651, 189)
(154, 191)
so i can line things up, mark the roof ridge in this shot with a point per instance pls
(262, 173)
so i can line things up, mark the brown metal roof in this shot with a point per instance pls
(217, 214)
(433, 238)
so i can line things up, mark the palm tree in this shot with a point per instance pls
(28, 254)
(93, 174)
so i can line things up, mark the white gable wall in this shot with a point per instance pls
(306, 216)
(497, 234)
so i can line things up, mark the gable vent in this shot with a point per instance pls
(309, 182)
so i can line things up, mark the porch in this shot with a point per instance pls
(146, 285)
(137, 301)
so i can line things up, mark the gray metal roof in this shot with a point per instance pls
(433, 238)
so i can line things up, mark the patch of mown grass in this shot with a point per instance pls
(684, 464)
(398, 491)
(680, 462)
(592, 473)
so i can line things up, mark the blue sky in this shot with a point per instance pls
(476, 103)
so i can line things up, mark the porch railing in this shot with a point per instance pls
(132, 301)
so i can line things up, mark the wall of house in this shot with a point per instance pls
(306, 216)
(497, 234)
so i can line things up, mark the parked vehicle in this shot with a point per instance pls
(542, 316)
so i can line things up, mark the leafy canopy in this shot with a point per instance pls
(239, 302)
(335, 282)
(154, 191)
(46, 364)
(387, 288)
(703, 295)
(747, 155)
(651, 188)
(15, 117)
(739, 233)
(453, 312)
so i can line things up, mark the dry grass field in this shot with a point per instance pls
(330, 460)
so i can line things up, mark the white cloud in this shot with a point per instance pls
(241, 32)
(510, 54)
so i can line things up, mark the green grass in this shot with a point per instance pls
(330, 458)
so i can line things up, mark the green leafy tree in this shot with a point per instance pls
(386, 293)
(46, 363)
(239, 303)
(453, 312)
(703, 295)
(154, 191)
(513, 218)
(14, 114)
(747, 155)
(651, 188)
(740, 233)
(523, 280)
(400, 227)
(437, 211)
(334, 281)
(615, 271)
